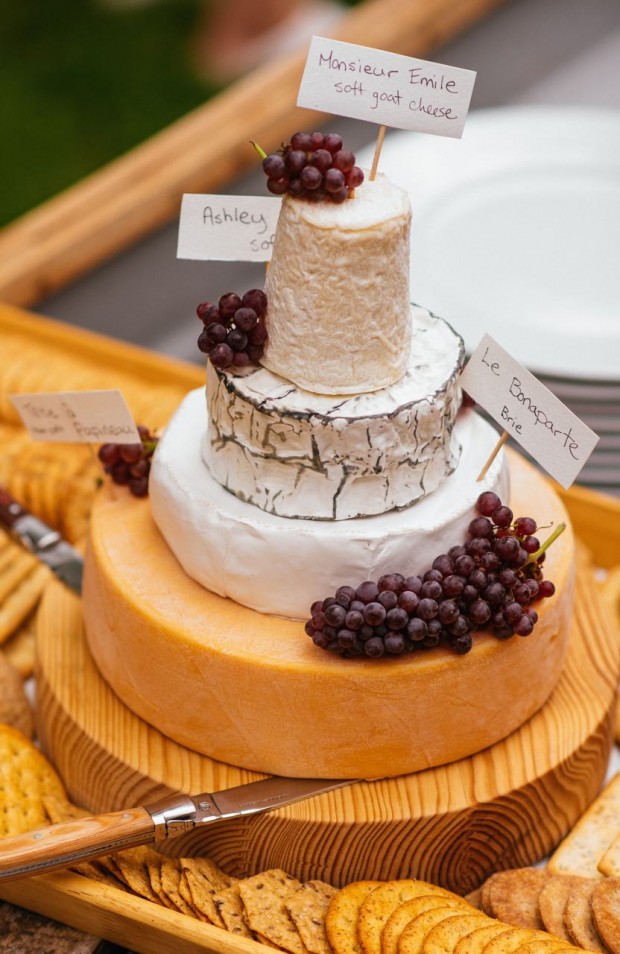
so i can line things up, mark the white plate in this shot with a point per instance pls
(516, 232)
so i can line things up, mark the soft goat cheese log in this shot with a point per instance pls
(298, 454)
(338, 291)
(280, 566)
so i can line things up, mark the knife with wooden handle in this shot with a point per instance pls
(68, 843)
(45, 543)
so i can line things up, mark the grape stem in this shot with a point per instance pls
(561, 527)
(261, 152)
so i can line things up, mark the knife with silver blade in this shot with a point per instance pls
(44, 542)
(68, 843)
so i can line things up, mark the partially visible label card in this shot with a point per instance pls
(555, 437)
(228, 228)
(385, 88)
(88, 417)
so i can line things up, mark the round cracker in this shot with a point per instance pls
(606, 912)
(510, 940)
(545, 945)
(408, 910)
(552, 902)
(413, 937)
(476, 942)
(25, 778)
(579, 920)
(513, 896)
(342, 914)
(443, 938)
(15, 708)
(377, 907)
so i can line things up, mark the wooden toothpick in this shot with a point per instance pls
(375, 159)
(493, 455)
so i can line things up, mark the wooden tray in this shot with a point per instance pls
(450, 809)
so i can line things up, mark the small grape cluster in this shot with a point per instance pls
(490, 581)
(130, 464)
(313, 166)
(234, 332)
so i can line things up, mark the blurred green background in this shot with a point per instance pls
(81, 82)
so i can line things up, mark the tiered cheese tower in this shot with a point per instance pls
(344, 456)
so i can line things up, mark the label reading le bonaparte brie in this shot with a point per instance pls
(228, 228)
(82, 417)
(385, 88)
(528, 411)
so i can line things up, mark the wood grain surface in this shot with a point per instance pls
(506, 806)
(114, 207)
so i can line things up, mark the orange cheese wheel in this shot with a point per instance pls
(253, 691)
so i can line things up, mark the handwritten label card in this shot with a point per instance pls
(89, 417)
(385, 88)
(228, 228)
(528, 411)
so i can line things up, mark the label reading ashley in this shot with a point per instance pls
(555, 437)
(385, 88)
(227, 228)
(88, 417)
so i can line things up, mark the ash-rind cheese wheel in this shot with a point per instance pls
(295, 453)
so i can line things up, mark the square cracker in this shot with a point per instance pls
(580, 851)
(231, 910)
(264, 897)
(307, 907)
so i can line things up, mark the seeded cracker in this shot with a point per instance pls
(308, 908)
(232, 911)
(264, 897)
(342, 914)
(170, 874)
(203, 884)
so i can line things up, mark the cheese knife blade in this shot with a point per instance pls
(45, 543)
(71, 842)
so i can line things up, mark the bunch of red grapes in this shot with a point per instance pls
(313, 166)
(130, 464)
(491, 581)
(234, 332)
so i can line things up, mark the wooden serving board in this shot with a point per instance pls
(504, 807)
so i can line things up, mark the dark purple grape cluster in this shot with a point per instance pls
(488, 582)
(130, 464)
(234, 332)
(313, 166)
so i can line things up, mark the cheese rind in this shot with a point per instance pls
(252, 690)
(298, 454)
(338, 291)
(279, 565)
